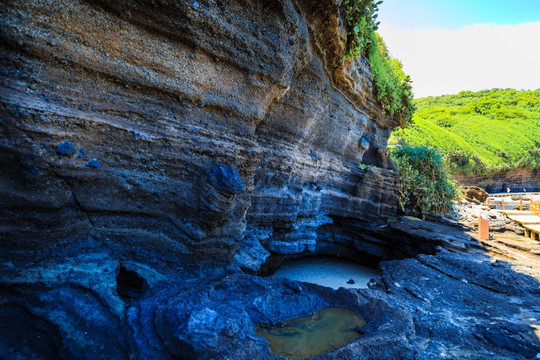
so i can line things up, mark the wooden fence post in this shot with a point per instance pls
(483, 229)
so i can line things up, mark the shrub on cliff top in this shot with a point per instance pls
(425, 185)
(361, 18)
(393, 86)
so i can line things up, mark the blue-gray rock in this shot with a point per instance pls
(93, 265)
(364, 143)
(226, 179)
(93, 163)
(65, 148)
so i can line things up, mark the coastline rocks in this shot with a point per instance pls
(414, 310)
(468, 215)
(199, 134)
(475, 194)
(219, 190)
(518, 180)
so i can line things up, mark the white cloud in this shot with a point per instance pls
(476, 57)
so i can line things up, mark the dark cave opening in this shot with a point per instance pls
(129, 284)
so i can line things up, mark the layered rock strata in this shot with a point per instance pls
(518, 180)
(116, 115)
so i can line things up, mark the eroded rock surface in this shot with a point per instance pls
(115, 116)
(459, 303)
(154, 152)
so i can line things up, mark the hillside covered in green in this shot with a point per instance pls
(479, 132)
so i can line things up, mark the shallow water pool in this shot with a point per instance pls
(312, 335)
(327, 271)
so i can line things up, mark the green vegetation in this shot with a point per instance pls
(425, 186)
(364, 166)
(392, 84)
(361, 18)
(479, 132)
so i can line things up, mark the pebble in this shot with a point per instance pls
(93, 163)
(65, 148)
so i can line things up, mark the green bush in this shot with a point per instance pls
(425, 185)
(393, 86)
(361, 19)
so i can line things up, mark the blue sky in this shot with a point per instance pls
(453, 45)
(453, 14)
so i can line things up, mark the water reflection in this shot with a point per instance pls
(312, 335)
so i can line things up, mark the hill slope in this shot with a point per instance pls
(479, 132)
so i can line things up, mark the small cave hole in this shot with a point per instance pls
(129, 284)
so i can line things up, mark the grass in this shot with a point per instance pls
(479, 132)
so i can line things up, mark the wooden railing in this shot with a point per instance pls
(535, 207)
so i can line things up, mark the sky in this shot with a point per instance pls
(454, 45)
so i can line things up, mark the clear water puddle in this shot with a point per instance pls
(327, 271)
(312, 335)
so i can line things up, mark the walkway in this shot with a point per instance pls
(527, 219)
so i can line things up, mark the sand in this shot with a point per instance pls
(327, 271)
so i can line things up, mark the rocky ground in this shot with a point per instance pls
(467, 214)
(466, 301)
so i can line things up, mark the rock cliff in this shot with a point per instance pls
(153, 149)
(121, 120)
(516, 180)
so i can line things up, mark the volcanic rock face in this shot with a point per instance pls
(116, 114)
(151, 149)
